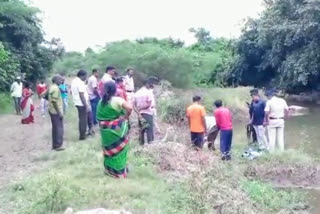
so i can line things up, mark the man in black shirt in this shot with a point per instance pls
(257, 114)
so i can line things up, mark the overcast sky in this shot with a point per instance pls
(88, 23)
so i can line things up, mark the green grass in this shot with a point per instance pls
(75, 178)
(270, 198)
(6, 103)
(173, 109)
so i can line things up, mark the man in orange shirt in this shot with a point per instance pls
(196, 116)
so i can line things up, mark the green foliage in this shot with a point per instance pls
(22, 36)
(5, 103)
(167, 59)
(267, 196)
(8, 68)
(281, 48)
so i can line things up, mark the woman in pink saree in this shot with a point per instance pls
(27, 106)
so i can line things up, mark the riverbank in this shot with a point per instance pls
(165, 177)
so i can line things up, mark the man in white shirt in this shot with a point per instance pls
(93, 94)
(276, 111)
(81, 101)
(108, 76)
(16, 93)
(129, 84)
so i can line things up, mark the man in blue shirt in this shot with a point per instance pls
(257, 113)
(64, 95)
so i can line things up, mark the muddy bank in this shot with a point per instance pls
(287, 176)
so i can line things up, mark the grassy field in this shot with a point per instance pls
(165, 178)
(6, 103)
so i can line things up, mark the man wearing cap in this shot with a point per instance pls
(276, 111)
(16, 93)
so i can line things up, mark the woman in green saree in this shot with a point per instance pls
(113, 114)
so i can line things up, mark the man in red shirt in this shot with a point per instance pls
(224, 124)
(41, 91)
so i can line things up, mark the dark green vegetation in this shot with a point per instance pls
(166, 59)
(279, 48)
(282, 47)
(23, 48)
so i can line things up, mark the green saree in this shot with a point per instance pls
(114, 134)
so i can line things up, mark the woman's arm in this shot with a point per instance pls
(127, 106)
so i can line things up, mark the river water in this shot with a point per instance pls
(301, 132)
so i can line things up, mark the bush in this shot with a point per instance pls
(5, 103)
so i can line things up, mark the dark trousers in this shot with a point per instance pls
(83, 121)
(94, 105)
(197, 139)
(90, 121)
(225, 141)
(16, 101)
(146, 126)
(57, 131)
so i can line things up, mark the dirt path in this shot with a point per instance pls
(20, 144)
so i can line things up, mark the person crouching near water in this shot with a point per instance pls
(276, 112)
(196, 117)
(224, 124)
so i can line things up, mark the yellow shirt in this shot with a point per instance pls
(55, 96)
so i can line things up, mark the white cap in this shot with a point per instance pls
(18, 78)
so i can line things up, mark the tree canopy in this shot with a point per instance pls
(21, 36)
(281, 48)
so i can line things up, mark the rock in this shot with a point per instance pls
(97, 211)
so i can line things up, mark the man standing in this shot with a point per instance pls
(64, 94)
(196, 117)
(276, 111)
(224, 124)
(16, 93)
(94, 94)
(41, 90)
(142, 105)
(108, 76)
(81, 101)
(56, 113)
(257, 119)
(129, 84)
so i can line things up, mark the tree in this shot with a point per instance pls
(8, 69)
(282, 47)
(202, 35)
(21, 34)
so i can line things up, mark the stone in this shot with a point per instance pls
(97, 211)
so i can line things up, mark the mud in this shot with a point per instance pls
(306, 177)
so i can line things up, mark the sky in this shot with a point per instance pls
(93, 23)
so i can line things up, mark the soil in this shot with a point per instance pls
(20, 145)
(306, 177)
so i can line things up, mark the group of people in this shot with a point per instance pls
(23, 104)
(266, 117)
(108, 103)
